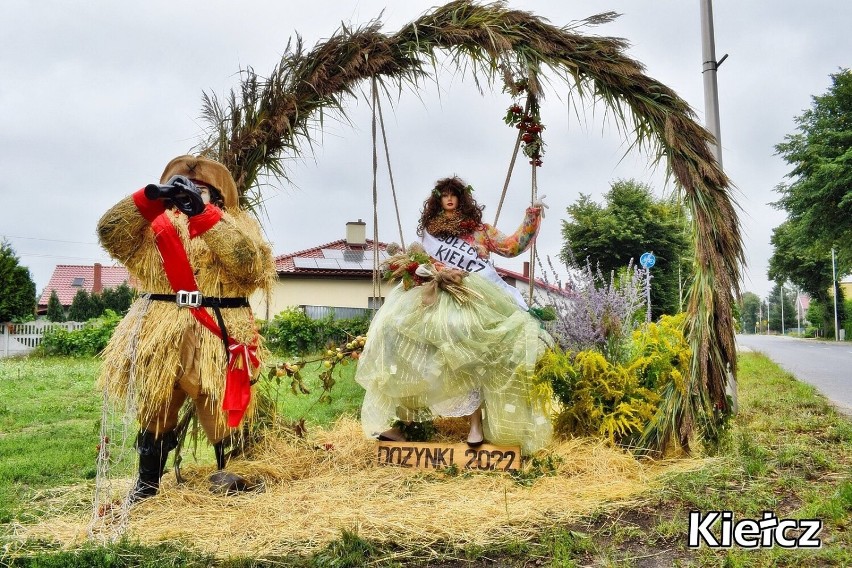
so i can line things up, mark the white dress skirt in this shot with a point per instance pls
(447, 359)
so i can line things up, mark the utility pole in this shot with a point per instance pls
(711, 116)
(834, 293)
(782, 309)
(767, 317)
(799, 313)
(708, 69)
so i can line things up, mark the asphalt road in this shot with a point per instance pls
(827, 365)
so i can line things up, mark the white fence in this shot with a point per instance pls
(319, 312)
(21, 338)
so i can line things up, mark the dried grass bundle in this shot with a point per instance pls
(272, 119)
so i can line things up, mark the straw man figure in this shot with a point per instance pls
(196, 257)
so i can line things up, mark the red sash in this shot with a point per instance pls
(237, 394)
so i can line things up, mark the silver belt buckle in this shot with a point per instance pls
(186, 299)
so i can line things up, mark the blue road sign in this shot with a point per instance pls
(647, 260)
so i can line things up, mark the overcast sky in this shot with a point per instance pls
(97, 96)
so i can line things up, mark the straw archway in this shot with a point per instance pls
(270, 119)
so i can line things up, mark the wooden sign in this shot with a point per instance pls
(435, 456)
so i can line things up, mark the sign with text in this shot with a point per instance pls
(436, 456)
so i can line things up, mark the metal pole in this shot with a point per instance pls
(711, 111)
(708, 69)
(648, 293)
(759, 325)
(834, 292)
(782, 309)
(799, 314)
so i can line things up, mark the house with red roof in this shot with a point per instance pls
(334, 276)
(338, 277)
(67, 279)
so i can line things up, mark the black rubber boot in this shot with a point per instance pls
(153, 453)
(225, 482)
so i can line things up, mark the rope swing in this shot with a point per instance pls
(529, 129)
(376, 107)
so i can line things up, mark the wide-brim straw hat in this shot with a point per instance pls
(205, 170)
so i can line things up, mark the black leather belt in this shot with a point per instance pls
(194, 299)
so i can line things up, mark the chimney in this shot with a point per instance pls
(97, 279)
(526, 269)
(356, 233)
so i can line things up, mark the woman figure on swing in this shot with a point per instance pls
(449, 358)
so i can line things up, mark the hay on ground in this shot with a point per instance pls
(313, 488)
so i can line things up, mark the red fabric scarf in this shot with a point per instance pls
(179, 273)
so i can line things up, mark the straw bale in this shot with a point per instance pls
(310, 489)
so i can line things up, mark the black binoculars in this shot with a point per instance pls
(180, 190)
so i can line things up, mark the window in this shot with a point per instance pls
(78, 282)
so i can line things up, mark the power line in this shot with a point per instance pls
(59, 256)
(50, 240)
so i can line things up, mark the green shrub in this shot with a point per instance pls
(87, 341)
(292, 332)
(617, 399)
(55, 311)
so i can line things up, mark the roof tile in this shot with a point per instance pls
(64, 275)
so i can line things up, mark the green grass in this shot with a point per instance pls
(50, 421)
(346, 396)
(787, 451)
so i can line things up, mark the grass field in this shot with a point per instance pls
(787, 452)
(50, 413)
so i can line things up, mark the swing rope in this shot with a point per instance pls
(388, 160)
(533, 196)
(376, 106)
(377, 285)
(512, 162)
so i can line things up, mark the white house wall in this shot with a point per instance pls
(313, 292)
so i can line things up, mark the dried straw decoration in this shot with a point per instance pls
(314, 488)
(270, 120)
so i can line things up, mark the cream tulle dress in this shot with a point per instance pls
(448, 358)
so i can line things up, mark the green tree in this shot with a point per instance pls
(118, 299)
(82, 308)
(749, 311)
(817, 316)
(820, 195)
(55, 310)
(805, 262)
(818, 200)
(18, 296)
(631, 222)
(774, 300)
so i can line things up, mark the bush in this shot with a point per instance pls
(88, 341)
(292, 332)
(55, 311)
(617, 399)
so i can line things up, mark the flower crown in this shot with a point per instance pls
(467, 189)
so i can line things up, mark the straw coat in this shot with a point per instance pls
(158, 344)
